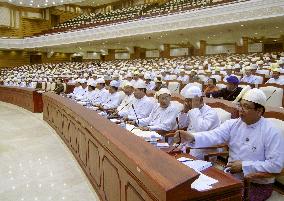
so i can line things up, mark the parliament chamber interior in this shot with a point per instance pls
(141, 100)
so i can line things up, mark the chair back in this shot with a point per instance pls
(280, 125)
(43, 85)
(223, 114)
(65, 87)
(274, 96)
(48, 86)
(174, 87)
(52, 86)
(177, 105)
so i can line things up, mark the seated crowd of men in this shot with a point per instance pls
(135, 12)
(255, 145)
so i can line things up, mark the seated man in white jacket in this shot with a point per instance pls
(163, 115)
(255, 144)
(197, 116)
(142, 105)
(101, 94)
(76, 88)
(275, 78)
(128, 100)
(83, 90)
(91, 93)
(114, 99)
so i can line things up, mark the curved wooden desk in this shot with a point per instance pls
(24, 97)
(120, 165)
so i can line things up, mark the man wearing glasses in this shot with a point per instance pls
(255, 145)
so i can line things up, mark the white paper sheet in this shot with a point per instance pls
(203, 183)
(197, 165)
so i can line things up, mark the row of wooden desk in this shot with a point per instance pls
(26, 98)
(122, 166)
(119, 165)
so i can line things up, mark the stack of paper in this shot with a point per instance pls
(163, 145)
(82, 102)
(197, 165)
(130, 127)
(146, 134)
(115, 120)
(203, 183)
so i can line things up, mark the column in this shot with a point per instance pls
(138, 53)
(245, 45)
(111, 55)
(166, 53)
(202, 48)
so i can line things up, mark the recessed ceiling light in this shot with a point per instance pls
(53, 3)
(21, 2)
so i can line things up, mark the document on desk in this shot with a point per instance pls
(203, 183)
(129, 127)
(197, 165)
(115, 120)
(143, 134)
(146, 134)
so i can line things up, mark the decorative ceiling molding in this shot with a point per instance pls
(231, 13)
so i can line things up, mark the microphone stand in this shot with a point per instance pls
(271, 95)
(179, 141)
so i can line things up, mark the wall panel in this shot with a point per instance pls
(14, 58)
(220, 49)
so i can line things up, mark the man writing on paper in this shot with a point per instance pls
(255, 145)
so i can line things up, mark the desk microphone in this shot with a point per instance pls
(271, 95)
(177, 121)
(135, 114)
(121, 108)
(179, 142)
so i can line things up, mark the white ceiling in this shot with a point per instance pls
(49, 3)
(227, 33)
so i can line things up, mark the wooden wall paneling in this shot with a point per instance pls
(14, 58)
(56, 57)
(30, 26)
